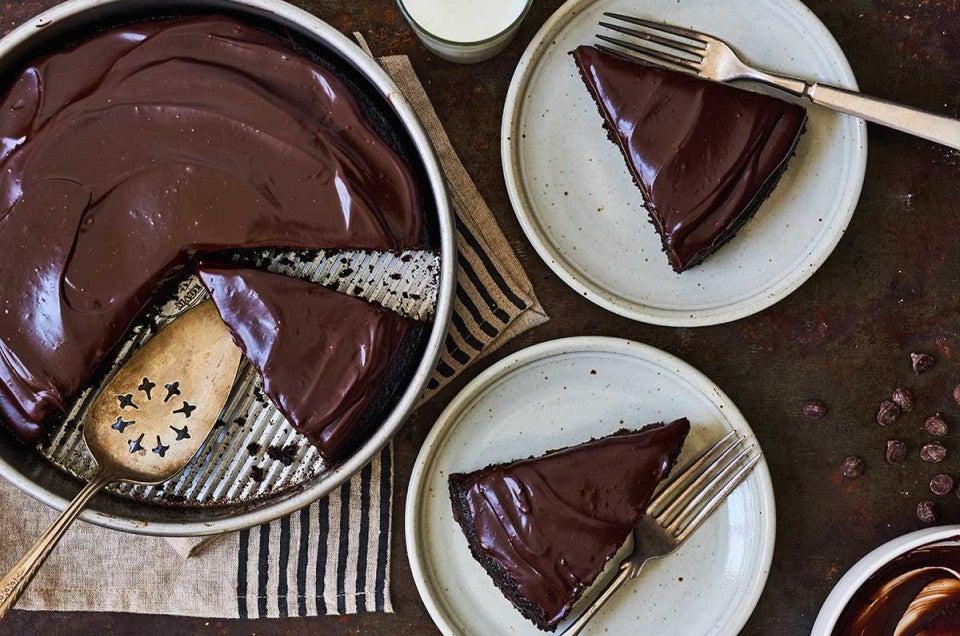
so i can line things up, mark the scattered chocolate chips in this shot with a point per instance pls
(921, 362)
(257, 473)
(936, 426)
(814, 409)
(956, 394)
(927, 511)
(941, 484)
(888, 414)
(253, 448)
(904, 399)
(933, 453)
(896, 451)
(851, 467)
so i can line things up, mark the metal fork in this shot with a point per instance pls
(711, 58)
(678, 510)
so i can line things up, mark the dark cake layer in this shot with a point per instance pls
(705, 155)
(543, 528)
(321, 353)
(122, 157)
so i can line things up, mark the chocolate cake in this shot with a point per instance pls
(543, 528)
(321, 353)
(705, 155)
(125, 156)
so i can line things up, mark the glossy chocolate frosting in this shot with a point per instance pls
(916, 594)
(704, 154)
(320, 353)
(123, 156)
(544, 528)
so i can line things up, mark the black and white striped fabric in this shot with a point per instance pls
(332, 557)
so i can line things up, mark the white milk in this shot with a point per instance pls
(465, 20)
(465, 30)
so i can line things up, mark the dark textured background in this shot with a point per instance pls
(890, 287)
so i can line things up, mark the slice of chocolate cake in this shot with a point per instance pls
(543, 528)
(321, 354)
(704, 154)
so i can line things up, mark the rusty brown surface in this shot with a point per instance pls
(890, 287)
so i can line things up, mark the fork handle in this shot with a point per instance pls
(626, 572)
(16, 580)
(931, 126)
(921, 123)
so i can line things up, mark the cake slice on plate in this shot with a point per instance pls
(543, 528)
(322, 354)
(705, 155)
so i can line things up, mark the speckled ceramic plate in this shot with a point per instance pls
(561, 393)
(579, 207)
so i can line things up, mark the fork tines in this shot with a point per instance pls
(663, 43)
(692, 496)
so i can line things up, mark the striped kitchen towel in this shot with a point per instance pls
(332, 557)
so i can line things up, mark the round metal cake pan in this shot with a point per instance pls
(67, 23)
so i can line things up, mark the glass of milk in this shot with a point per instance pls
(465, 31)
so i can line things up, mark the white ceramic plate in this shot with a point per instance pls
(865, 567)
(579, 207)
(561, 393)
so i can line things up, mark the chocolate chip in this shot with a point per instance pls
(933, 453)
(936, 426)
(814, 409)
(921, 362)
(851, 467)
(888, 413)
(904, 399)
(941, 484)
(927, 511)
(956, 394)
(896, 451)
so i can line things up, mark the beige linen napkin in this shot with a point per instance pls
(331, 557)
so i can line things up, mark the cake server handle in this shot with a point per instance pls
(16, 580)
(627, 571)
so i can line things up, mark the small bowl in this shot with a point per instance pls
(856, 576)
(466, 52)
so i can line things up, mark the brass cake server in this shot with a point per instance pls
(147, 422)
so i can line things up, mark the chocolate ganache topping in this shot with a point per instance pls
(916, 594)
(125, 155)
(704, 154)
(321, 353)
(544, 528)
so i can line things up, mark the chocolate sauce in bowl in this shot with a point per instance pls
(916, 591)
